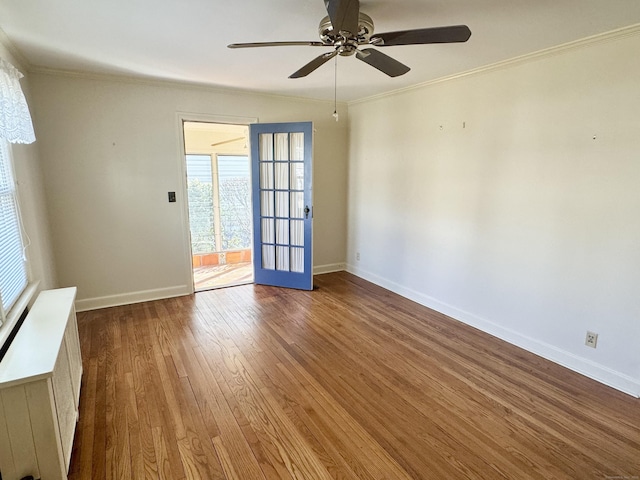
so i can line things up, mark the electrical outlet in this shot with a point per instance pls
(358, 256)
(591, 340)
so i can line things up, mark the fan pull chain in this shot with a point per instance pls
(335, 90)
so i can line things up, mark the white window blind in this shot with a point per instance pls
(13, 269)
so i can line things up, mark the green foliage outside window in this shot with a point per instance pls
(201, 216)
(235, 213)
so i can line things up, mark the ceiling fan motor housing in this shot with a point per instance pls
(329, 37)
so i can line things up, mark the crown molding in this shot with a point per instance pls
(18, 57)
(593, 40)
(158, 82)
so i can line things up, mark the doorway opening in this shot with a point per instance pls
(219, 199)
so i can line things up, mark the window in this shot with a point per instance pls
(219, 194)
(13, 268)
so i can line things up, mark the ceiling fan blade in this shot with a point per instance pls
(452, 34)
(224, 142)
(277, 44)
(313, 64)
(344, 15)
(382, 62)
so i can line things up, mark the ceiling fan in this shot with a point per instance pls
(346, 28)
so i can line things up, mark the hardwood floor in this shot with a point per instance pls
(216, 276)
(349, 381)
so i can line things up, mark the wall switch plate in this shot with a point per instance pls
(172, 197)
(591, 340)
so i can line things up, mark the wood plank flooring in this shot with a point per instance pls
(208, 277)
(349, 381)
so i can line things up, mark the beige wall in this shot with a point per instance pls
(31, 195)
(510, 200)
(111, 152)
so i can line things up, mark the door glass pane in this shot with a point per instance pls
(266, 174)
(297, 176)
(297, 232)
(266, 204)
(267, 230)
(282, 176)
(282, 204)
(282, 146)
(297, 204)
(268, 257)
(282, 258)
(282, 232)
(297, 260)
(266, 146)
(297, 146)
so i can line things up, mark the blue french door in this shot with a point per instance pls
(282, 204)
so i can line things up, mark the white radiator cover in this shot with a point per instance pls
(40, 379)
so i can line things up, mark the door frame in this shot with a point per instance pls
(181, 190)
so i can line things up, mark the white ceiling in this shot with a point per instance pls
(186, 41)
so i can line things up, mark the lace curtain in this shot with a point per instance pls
(15, 120)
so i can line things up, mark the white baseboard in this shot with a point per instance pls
(586, 367)
(133, 297)
(330, 268)
(95, 303)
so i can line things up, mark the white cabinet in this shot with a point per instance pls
(40, 390)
